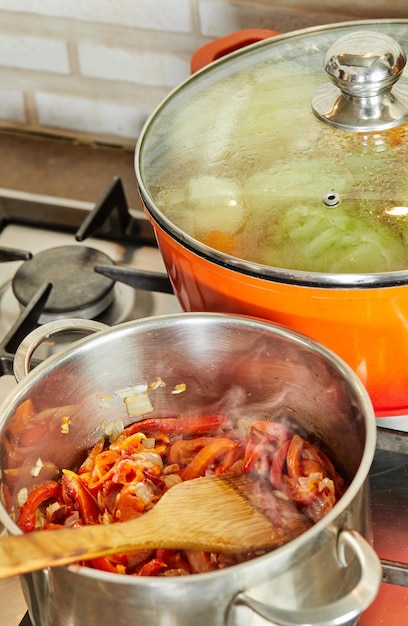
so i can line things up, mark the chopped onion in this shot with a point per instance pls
(148, 443)
(171, 469)
(104, 403)
(146, 457)
(65, 425)
(305, 482)
(72, 519)
(22, 496)
(281, 495)
(144, 491)
(37, 468)
(138, 404)
(113, 429)
(137, 389)
(172, 479)
(327, 483)
(51, 508)
(179, 388)
(156, 383)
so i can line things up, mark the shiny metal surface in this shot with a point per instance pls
(364, 95)
(224, 362)
(24, 353)
(12, 603)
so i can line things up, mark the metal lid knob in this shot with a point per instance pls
(364, 94)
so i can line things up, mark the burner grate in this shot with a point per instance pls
(27, 322)
(77, 290)
(110, 218)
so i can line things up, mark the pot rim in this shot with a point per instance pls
(139, 326)
(300, 278)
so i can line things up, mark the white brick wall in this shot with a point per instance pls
(164, 15)
(34, 53)
(95, 69)
(134, 66)
(12, 105)
(90, 116)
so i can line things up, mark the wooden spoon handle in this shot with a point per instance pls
(20, 554)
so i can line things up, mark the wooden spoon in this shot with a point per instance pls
(225, 513)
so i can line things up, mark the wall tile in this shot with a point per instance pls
(12, 105)
(143, 67)
(218, 18)
(164, 15)
(34, 53)
(96, 66)
(89, 116)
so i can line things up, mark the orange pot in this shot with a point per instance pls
(366, 327)
(361, 316)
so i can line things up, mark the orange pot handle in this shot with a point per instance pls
(224, 45)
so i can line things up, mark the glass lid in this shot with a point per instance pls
(290, 154)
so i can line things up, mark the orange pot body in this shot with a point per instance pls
(367, 327)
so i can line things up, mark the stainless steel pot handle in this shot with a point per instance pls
(343, 612)
(26, 349)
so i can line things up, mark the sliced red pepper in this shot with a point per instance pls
(28, 512)
(74, 490)
(153, 567)
(103, 470)
(180, 425)
(173, 559)
(278, 464)
(253, 453)
(312, 466)
(206, 457)
(274, 431)
(126, 472)
(259, 457)
(88, 464)
(296, 493)
(128, 505)
(130, 444)
(105, 564)
(184, 450)
(312, 453)
(53, 526)
(231, 457)
(294, 457)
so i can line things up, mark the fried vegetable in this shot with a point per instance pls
(122, 479)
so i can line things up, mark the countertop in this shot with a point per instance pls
(64, 168)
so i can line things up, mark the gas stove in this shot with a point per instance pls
(64, 259)
(67, 258)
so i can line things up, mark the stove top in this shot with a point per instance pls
(53, 235)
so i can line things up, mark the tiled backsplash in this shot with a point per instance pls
(95, 69)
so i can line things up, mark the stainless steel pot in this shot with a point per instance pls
(328, 575)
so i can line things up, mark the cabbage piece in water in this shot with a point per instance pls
(332, 240)
(291, 182)
(216, 204)
(200, 133)
(208, 208)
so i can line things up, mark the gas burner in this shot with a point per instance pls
(77, 290)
